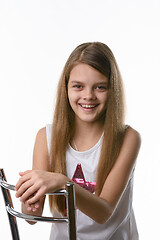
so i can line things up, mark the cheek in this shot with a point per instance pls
(69, 96)
(104, 98)
(71, 101)
(72, 96)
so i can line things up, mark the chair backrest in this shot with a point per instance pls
(69, 193)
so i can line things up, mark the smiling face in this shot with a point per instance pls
(87, 93)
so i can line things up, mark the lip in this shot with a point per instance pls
(93, 104)
(91, 107)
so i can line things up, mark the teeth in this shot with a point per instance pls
(88, 106)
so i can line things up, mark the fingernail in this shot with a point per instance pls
(29, 208)
(37, 205)
(34, 209)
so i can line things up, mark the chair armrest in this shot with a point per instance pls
(35, 218)
(27, 217)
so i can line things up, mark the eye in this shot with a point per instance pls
(101, 88)
(77, 86)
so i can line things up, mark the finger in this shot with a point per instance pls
(39, 194)
(25, 172)
(33, 207)
(37, 204)
(23, 188)
(22, 180)
(28, 193)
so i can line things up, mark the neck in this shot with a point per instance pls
(86, 135)
(88, 128)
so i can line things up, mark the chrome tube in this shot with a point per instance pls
(35, 218)
(8, 186)
(8, 202)
(71, 207)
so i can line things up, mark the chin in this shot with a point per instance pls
(88, 120)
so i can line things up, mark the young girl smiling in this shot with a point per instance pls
(88, 143)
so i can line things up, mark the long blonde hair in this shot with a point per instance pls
(100, 57)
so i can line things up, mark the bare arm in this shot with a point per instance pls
(40, 162)
(99, 208)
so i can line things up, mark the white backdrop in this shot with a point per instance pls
(36, 37)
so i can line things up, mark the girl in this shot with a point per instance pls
(88, 140)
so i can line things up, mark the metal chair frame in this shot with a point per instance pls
(69, 193)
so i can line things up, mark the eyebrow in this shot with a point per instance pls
(74, 81)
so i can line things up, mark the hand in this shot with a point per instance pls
(34, 184)
(32, 207)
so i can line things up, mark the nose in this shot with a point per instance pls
(89, 94)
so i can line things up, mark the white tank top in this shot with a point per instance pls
(120, 226)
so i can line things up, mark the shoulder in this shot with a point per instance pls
(41, 137)
(132, 136)
(41, 133)
(40, 153)
(41, 141)
(130, 147)
(44, 133)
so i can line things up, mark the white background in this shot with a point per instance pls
(36, 38)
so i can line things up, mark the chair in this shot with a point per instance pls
(13, 214)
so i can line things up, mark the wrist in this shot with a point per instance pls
(62, 180)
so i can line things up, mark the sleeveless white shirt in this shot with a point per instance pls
(120, 226)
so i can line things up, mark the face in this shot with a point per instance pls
(87, 93)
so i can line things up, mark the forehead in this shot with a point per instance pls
(82, 72)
